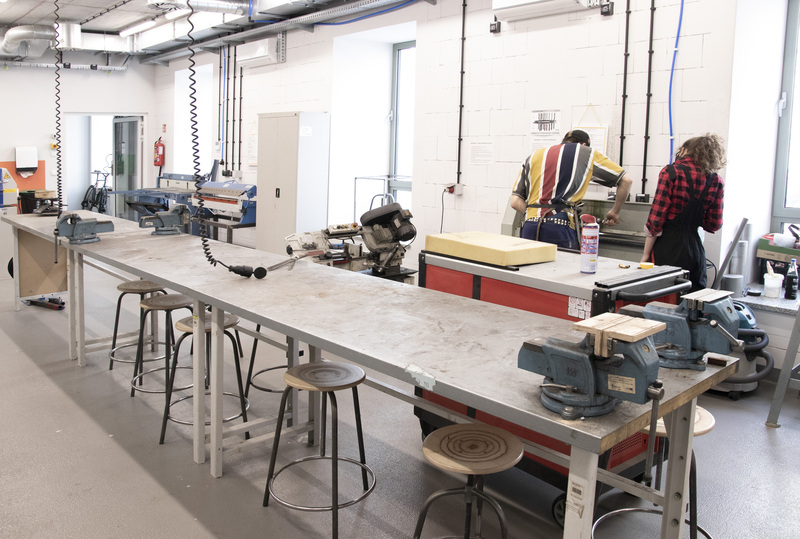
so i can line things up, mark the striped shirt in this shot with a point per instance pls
(561, 174)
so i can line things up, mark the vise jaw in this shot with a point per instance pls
(615, 361)
(79, 231)
(166, 223)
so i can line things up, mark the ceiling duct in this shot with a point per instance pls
(234, 7)
(31, 40)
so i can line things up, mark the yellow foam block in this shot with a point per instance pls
(491, 248)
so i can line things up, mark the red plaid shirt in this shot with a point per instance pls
(671, 197)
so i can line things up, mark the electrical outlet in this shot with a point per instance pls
(454, 189)
(607, 8)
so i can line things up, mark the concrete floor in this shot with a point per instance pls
(81, 457)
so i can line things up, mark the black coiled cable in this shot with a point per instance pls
(244, 271)
(198, 179)
(58, 110)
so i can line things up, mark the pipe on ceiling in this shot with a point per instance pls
(14, 37)
(303, 21)
(91, 67)
(236, 7)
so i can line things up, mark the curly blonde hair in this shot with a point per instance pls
(707, 151)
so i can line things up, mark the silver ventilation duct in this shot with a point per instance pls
(23, 40)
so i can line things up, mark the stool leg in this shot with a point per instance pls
(360, 433)
(170, 385)
(468, 499)
(252, 362)
(429, 502)
(501, 516)
(239, 381)
(116, 327)
(323, 429)
(334, 463)
(478, 504)
(275, 441)
(693, 499)
(138, 363)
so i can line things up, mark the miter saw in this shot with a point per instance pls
(374, 245)
(704, 321)
(616, 361)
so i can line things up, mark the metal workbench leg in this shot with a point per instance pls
(680, 431)
(77, 320)
(581, 487)
(17, 294)
(785, 378)
(217, 351)
(292, 360)
(198, 382)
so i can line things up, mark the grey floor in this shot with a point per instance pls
(80, 457)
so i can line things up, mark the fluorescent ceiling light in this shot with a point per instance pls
(138, 28)
(174, 14)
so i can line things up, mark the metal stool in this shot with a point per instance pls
(703, 423)
(325, 377)
(166, 303)
(186, 325)
(472, 449)
(131, 287)
(251, 375)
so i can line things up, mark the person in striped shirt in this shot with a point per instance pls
(553, 181)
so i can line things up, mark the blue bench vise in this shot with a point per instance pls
(78, 230)
(704, 321)
(167, 223)
(616, 361)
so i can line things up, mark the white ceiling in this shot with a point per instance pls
(108, 16)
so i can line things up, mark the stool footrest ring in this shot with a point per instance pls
(267, 389)
(112, 353)
(639, 510)
(136, 378)
(224, 420)
(327, 507)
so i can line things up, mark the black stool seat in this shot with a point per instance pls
(472, 449)
(325, 377)
(186, 325)
(139, 286)
(142, 288)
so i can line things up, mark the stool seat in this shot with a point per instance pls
(472, 449)
(166, 302)
(139, 287)
(187, 324)
(324, 376)
(475, 450)
(703, 424)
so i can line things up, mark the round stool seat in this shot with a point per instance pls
(472, 449)
(186, 324)
(703, 423)
(324, 376)
(139, 287)
(166, 302)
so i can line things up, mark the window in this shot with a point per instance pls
(786, 197)
(402, 122)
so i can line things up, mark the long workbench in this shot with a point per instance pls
(459, 348)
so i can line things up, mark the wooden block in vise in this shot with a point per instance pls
(609, 326)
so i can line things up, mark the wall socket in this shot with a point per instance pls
(454, 189)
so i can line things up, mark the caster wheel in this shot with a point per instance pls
(559, 509)
(734, 395)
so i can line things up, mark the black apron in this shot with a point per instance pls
(679, 243)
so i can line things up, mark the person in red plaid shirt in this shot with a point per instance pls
(689, 196)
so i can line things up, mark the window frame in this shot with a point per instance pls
(396, 182)
(781, 213)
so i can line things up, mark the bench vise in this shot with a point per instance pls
(167, 223)
(70, 225)
(616, 361)
(704, 321)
